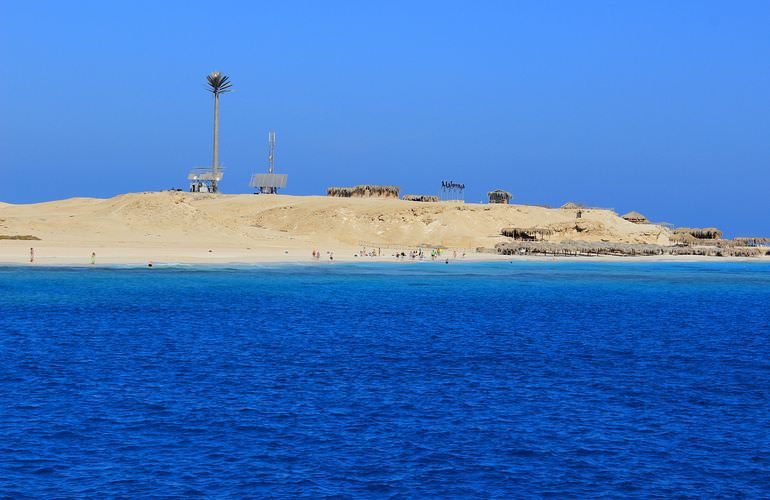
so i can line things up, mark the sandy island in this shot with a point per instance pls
(180, 227)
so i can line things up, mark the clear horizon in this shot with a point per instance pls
(655, 107)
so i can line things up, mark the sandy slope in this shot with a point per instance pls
(175, 226)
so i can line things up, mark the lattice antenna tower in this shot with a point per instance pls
(270, 182)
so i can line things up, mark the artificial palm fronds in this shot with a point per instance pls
(218, 83)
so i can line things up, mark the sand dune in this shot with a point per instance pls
(179, 226)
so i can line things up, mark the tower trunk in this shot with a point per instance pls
(215, 165)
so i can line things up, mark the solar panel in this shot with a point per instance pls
(268, 180)
(204, 174)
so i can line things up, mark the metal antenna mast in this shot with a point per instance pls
(270, 182)
(271, 154)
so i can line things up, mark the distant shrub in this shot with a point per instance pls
(18, 237)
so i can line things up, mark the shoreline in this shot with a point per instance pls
(289, 260)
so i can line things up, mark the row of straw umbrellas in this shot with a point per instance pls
(587, 248)
(364, 191)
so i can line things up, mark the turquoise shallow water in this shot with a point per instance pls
(461, 380)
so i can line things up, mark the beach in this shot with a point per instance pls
(180, 227)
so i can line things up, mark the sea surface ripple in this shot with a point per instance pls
(428, 380)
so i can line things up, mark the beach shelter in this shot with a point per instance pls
(636, 218)
(499, 196)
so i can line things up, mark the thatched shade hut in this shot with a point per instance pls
(700, 233)
(499, 196)
(339, 192)
(636, 218)
(421, 197)
(683, 239)
(364, 191)
(526, 233)
(376, 191)
(571, 205)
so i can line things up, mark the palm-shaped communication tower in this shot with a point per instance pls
(217, 84)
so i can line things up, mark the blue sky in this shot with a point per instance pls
(660, 107)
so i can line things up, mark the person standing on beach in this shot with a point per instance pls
(93, 258)
(31, 254)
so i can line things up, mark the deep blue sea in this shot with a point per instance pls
(561, 379)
